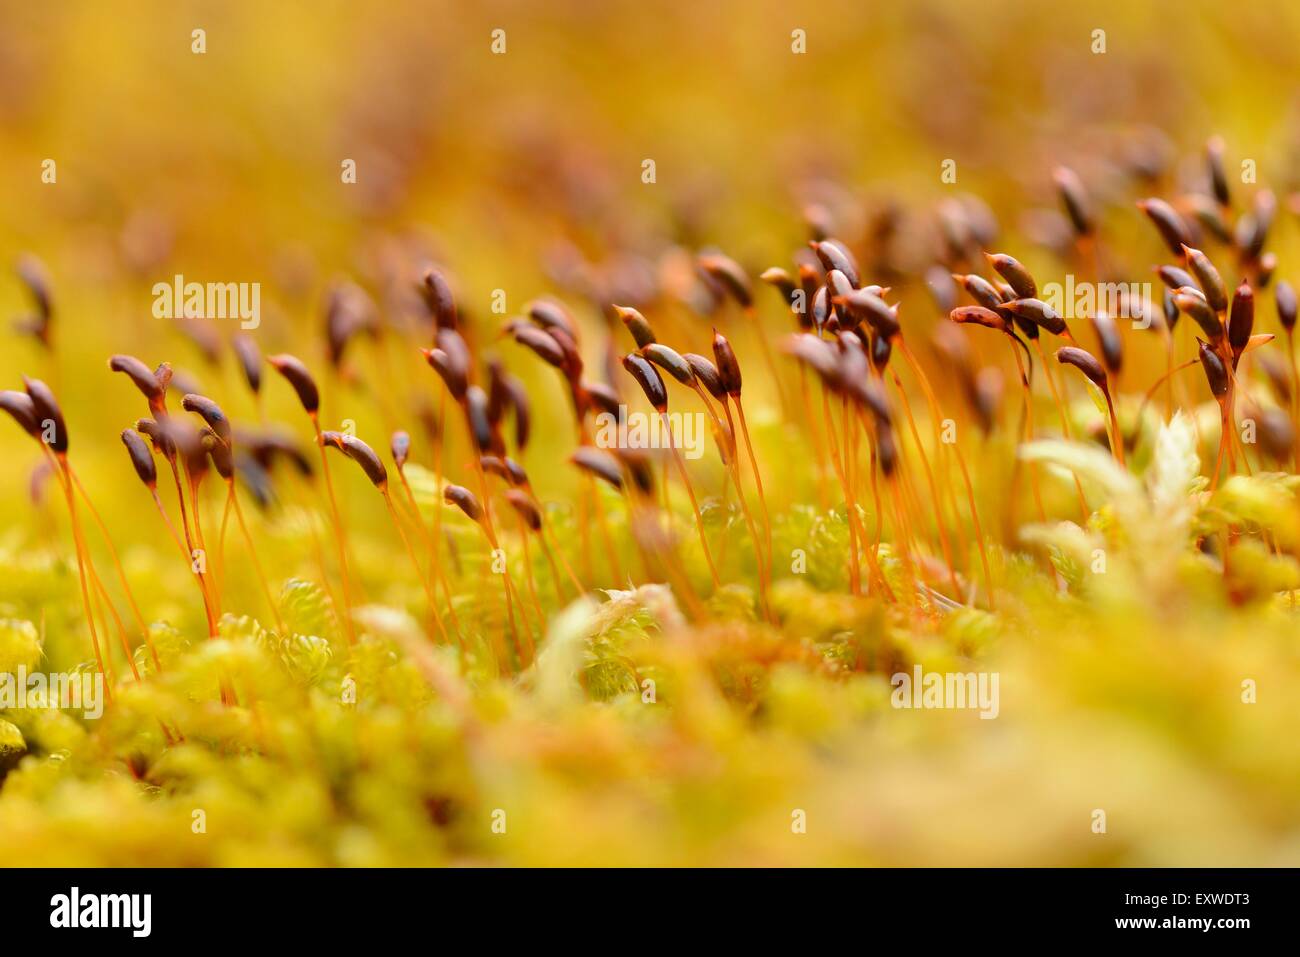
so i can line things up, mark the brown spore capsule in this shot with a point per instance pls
(706, 373)
(728, 365)
(780, 280)
(522, 410)
(598, 463)
(19, 405)
(522, 504)
(1173, 230)
(1241, 320)
(981, 290)
(141, 457)
(439, 300)
(1074, 198)
(670, 361)
(463, 499)
(835, 255)
(1112, 347)
(637, 325)
(1216, 374)
(649, 379)
(818, 355)
(160, 437)
(1195, 306)
(250, 361)
(1208, 278)
(1175, 278)
(539, 342)
(1285, 301)
(210, 412)
(219, 452)
(549, 314)
(361, 453)
(1015, 273)
(872, 309)
(141, 376)
(730, 275)
(602, 396)
(1037, 312)
(476, 404)
(1214, 167)
(297, 376)
(979, 316)
(1085, 362)
(49, 417)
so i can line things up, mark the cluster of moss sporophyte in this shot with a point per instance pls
(397, 604)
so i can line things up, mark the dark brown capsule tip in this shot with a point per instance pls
(649, 379)
(463, 499)
(602, 396)
(881, 349)
(439, 300)
(223, 460)
(707, 373)
(1216, 373)
(49, 418)
(728, 365)
(297, 376)
(817, 354)
(1241, 319)
(210, 412)
(1285, 299)
(494, 465)
(250, 361)
(730, 275)
(548, 314)
(541, 343)
(480, 427)
(670, 361)
(598, 463)
(515, 472)
(1016, 275)
(872, 309)
(1175, 278)
(1074, 198)
(140, 374)
(1085, 362)
(1214, 167)
(1037, 312)
(1207, 277)
(835, 255)
(361, 453)
(572, 366)
(523, 410)
(452, 373)
(141, 457)
(1171, 226)
(522, 504)
(1112, 347)
(20, 406)
(1195, 306)
(33, 274)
